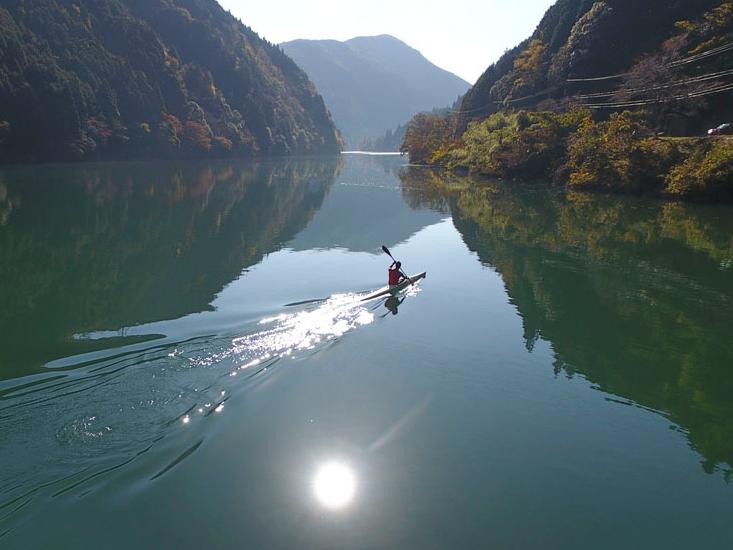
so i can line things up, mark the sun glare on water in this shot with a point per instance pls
(306, 329)
(334, 485)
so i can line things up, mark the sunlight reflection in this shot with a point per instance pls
(305, 329)
(334, 485)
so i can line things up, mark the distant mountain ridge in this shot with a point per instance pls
(372, 84)
(164, 78)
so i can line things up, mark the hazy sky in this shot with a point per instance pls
(462, 36)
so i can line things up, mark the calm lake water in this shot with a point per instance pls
(563, 377)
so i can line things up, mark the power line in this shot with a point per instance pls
(476, 110)
(691, 59)
(598, 78)
(525, 98)
(674, 84)
(675, 64)
(703, 55)
(511, 101)
(644, 102)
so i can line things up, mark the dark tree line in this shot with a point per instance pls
(128, 78)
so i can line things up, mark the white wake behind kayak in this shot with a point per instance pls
(396, 288)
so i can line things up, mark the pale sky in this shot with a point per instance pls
(461, 36)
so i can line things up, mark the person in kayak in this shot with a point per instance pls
(395, 273)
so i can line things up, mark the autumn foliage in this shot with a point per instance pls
(160, 78)
(640, 130)
(426, 133)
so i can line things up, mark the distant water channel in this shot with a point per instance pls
(563, 377)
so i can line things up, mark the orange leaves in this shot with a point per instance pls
(197, 136)
(425, 135)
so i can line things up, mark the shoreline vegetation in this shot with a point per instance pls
(620, 154)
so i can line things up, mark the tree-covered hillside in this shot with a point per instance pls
(579, 41)
(612, 95)
(86, 79)
(372, 84)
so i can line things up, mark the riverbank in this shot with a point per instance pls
(571, 149)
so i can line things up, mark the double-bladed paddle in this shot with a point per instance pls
(386, 250)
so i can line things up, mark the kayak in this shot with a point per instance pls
(384, 291)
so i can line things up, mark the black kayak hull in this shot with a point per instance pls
(384, 291)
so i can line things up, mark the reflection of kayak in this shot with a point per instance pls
(396, 288)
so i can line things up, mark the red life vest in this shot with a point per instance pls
(394, 276)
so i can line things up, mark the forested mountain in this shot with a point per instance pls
(585, 39)
(372, 84)
(612, 95)
(391, 140)
(126, 78)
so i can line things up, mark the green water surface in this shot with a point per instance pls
(563, 377)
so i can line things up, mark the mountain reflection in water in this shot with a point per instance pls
(635, 295)
(186, 359)
(111, 351)
(97, 247)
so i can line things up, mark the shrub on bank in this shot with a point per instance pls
(707, 172)
(521, 144)
(425, 134)
(619, 154)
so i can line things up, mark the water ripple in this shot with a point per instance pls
(66, 430)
